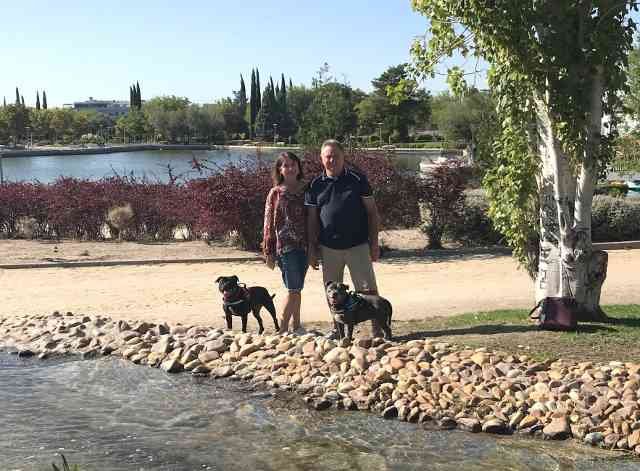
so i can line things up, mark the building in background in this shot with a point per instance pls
(112, 108)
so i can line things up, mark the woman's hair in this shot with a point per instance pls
(276, 176)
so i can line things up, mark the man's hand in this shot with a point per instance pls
(270, 261)
(374, 250)
(312, 256)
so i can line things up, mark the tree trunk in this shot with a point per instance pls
(568, 266)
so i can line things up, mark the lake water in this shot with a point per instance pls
(111, 415)
(152, 164)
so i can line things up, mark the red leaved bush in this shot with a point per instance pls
(230, 199)
(22, 200)
(443, 198)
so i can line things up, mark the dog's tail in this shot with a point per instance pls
(273, 295)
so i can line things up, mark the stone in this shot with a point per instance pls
(390, 412)
(557, 429)
(469, 424)
(494, 426)
(171, 366)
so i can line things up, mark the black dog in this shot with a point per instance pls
(238, 300)
(350, 308)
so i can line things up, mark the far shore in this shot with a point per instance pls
(112, 149)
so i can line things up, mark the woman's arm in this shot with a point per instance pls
(269, 231)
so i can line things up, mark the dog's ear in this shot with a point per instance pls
(234, 277)
(218, 279)
(345, 287)
(326, 285)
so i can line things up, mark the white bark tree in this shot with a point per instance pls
(556, 67)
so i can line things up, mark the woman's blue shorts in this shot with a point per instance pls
(293, 265)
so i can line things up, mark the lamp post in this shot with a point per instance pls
(275, 133)
(1, 171)
(380, 134)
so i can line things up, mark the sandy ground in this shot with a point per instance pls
(418, 287)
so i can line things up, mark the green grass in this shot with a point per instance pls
(510, 330)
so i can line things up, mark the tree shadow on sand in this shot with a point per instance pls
(404, 257)
(493, 329)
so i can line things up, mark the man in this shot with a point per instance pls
(342, 223)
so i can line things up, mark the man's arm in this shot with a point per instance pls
(373, 220)
(313, 231)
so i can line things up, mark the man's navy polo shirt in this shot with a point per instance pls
(343, 216)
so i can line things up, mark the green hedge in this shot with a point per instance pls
(474, 228)
(613, 219)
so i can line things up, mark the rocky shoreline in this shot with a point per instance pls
(436, 384)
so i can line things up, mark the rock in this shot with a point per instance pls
(469, 424)
(390, 412)
(322, 404)
(494, 426)
(26, 353)
(222, 372)
(558, 429)
(480, 358)
(634, 439)
(206, 357)
(171, 366)
(336, 355)
(593, 438)
(446, 423)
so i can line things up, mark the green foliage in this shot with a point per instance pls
(470, 118)
(331, 114)
(543, 54)
(632, 95)
(135, 124)
(615, 219)
(65, 465)
(474, 227)
(396, 102)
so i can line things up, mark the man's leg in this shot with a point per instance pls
(333, 262)
(358, 259)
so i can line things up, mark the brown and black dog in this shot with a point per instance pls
(238, 300)
(350, 308)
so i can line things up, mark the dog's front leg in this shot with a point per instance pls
(244, 323)
(350, 327)
(227, 316)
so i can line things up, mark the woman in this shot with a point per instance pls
(284, 238)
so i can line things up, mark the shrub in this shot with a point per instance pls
(443, 199)
(615, 219)
(119, 219)
(474, 227)
(18, 200)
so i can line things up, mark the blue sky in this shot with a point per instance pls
(197, 49)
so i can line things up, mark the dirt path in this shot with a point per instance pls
(418, 288)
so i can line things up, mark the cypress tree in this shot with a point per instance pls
(253, 107)
(4, 102)
(138, 96)
(242, 98)
(17, 97)
(258, 90)
(283, 95)
(290, 84)
(132, 99)
(44, 100)
(37, 100)
(22, 100)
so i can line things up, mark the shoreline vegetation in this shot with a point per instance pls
(424, 379)
(112, 149)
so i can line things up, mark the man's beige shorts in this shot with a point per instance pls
(357, 259)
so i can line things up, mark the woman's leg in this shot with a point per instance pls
(286, 314)
(295, 300)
